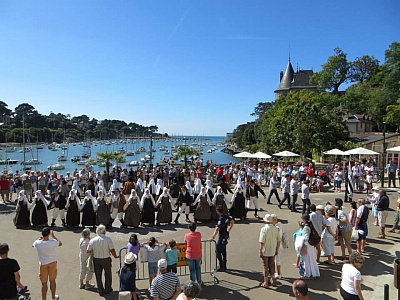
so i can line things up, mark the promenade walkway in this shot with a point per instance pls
(245, 269)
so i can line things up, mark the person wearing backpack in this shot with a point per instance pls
(311, 269)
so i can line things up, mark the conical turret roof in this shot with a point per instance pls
(287, 78)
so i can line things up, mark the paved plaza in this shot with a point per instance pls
(245, 268)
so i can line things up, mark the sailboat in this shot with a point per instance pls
(32, 161)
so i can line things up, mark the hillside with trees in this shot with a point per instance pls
(313, 121)
(57, 127)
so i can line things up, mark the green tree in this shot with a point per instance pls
(108, 157)
(362, 67)
(334, 72)
(185, 152)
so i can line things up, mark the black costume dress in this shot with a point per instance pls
(103, 213)
(39, 214)
(132, 213)
(22, 215)
(73, 214)
(88, 214)
(219, 201)
(238, 208)
(164, 209)
(148, 213)
(203, 210)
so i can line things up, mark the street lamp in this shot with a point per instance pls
(383, 155)
(184, 139)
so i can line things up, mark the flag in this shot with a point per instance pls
(349, 186)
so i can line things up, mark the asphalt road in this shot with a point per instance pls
(242, 280)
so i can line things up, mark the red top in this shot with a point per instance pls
(193, 245)
(4, 184)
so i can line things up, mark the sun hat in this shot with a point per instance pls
(267, 218)
(130, 258)
(320, 207)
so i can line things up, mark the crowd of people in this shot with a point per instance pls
(148, 197)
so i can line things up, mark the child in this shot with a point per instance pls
(172, 256)
(153, 248)
(134, 245)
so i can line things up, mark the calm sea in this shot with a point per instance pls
(49, 157)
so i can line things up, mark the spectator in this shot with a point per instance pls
(350, 287)
(134, 245)
(172, 256)
(269, 248)
(330, 234)
(278, 274)
(345, 231)
(193, 252)
(166, 285)
(85, 272)
(311, 269)
(223, 228)
(382, 207)
(318, 221)
(397, 215)
(10, 278)
(153, 249)
(46, 248)
(362, 224)
(127, 275)
(191, 290)
(300, 290)
(101, 246)
(5, 189)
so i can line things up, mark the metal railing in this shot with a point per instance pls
(208, 261)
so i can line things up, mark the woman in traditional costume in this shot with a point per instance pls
(22, 214)
(152, 186)
(203, 202)
(89, 207)
(103, 212)
(219, 199)
(139, 188)
(164, 208)
(73, 207)
(148, 205)
(159, 188)
(209, 188)
(39, 213)
(132, 210)
(238, 208)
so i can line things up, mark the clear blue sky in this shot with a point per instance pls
(190, 67)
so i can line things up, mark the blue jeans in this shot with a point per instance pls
(194, 269)
(221, 250)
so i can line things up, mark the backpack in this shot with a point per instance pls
(314, 238)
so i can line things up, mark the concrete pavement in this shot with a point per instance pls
(245, 268)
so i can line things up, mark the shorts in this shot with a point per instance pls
(48, 272)
(396, 217)
(4, 192)
(153, 268)
(346, 237)
(363, 236)
(382, 216)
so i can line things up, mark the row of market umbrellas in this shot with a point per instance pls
(356, 151)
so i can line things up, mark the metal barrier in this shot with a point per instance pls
(208, 261)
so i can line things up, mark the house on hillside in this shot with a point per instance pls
(294, 81)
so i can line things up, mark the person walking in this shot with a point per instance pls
(285, 185)
(273, 185)
(269, 248)
(305, 196)
(193, 252)
(166, 285)
(10, 279)
(85, 274)
(294, 190)
(46, 247)
(101, 246)
(252, 191)
(350, 287)
(223, 228)
(362, 224)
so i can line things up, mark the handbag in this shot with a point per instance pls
(89, 263)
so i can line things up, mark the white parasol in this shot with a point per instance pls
(361, 151)
(243, 155)
(285, 154)
(260, 155)
(335, 152)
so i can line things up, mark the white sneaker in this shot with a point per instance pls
(56, 297)
(277, 276)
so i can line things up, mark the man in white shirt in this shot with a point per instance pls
(46, 249)
(285, 184)
(101, 246)
(305, 196)
(294, 190)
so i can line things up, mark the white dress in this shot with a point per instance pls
(310, 260)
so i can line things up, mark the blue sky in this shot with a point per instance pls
(190, 67)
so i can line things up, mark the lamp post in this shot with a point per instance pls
(184, 139)
(383, 155)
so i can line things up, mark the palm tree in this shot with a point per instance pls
(108, 157)
(185, 151)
